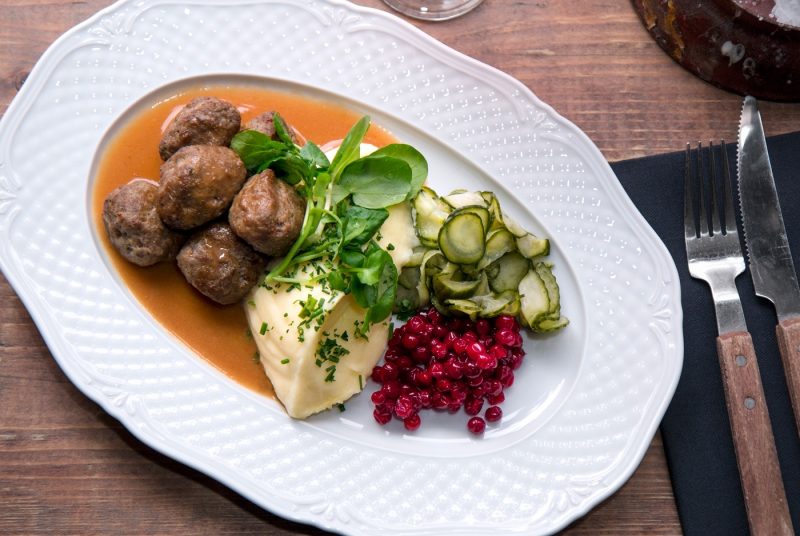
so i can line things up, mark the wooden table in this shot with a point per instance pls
(68, 467)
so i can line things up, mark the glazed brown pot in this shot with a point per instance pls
(745, 46)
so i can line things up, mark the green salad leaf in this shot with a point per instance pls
(414, 159)
(282, 129)
(375, 181)
(361, 224)
(256, 149)
(350, 149)
(346, 204)
(314, 155)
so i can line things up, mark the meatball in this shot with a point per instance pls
(268, 213)
(204, 121)
(265, 124)
(133, 226)
(219, 264)
(198, 184)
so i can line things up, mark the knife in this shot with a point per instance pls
(771, 265)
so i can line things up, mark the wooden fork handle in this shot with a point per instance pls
(760, 474)
(788, 332)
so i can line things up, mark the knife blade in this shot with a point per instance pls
(771, 266)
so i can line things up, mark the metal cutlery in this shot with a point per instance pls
(715, 256)
(771, 265)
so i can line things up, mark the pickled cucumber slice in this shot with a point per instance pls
(462, 239)
(430, 214)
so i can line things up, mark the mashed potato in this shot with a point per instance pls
(297, 355)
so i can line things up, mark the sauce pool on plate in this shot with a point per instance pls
(217, 333)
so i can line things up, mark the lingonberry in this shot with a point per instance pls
(447, 363)
(476, 425)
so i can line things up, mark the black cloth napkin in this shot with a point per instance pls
(695, 429)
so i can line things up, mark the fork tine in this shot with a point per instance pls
(716, 221)
(689, 223)
(703, 213)
(730, 217)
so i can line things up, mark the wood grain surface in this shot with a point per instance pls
(753, 440)
(66, 467)
(788, 334)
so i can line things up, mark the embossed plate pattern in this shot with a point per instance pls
(624, 287)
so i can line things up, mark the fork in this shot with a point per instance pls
(715, 256)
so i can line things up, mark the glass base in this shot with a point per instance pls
(434, 10)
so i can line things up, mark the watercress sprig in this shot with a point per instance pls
(346, 204)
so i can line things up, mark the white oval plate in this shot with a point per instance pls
(585, 405)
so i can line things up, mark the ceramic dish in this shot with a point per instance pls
(585, 405)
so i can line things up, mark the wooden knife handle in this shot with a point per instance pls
(788, 333)
(760, 474)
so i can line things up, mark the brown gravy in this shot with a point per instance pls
(217, 333)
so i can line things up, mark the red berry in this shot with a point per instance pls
(423, 378)
(406, 389)
(505, 322)
(483, 327)
(458, 393)
(421, 354)
(443, 385)
(404, 407)
(452, 369)
(498, 351)
(404, 362)
(377, 374)
(391, 389)
(459, 345)
(381, 417)
(416, 324)
(517, 340)
(476, 381)
(410, 341)
(473, 405)
(503, 372)
(493, 387)
(494, 414)
(438, 349)
(485, 361)
(440, 332)
(412, 422)
(390, 372)
(471, 370)
(446, 363)
(450, 338)
(438, 400)
(508, 381)
(476, 425)
(496, 399)
(425, 398)
(456, 324)
(506, 337)
(475, 349)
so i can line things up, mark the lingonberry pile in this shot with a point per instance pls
(440, 363)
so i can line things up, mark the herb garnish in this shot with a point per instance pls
(330, 352)
(346, 201)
